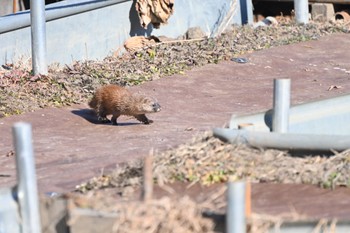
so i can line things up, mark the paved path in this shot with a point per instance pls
(70, 147)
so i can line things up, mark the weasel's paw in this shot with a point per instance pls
(148, 122)
(103, 120)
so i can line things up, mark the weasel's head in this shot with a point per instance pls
(150, 105)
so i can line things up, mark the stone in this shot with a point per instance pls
(322, 11)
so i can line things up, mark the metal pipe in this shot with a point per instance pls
(342, 15)
(235, 213)
(284, 141)
(246, 11)
(27, 192)
(301, 8)
(324, 117)
(38, 29)
(22, 20)
(281, 105)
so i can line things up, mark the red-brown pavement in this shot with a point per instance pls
(71, 148)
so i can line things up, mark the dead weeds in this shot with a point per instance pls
(208, 160)
(21, 92)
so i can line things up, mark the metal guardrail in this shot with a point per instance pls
(38, 16)
(22, 19)
(315, 126)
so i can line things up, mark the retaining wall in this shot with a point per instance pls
(97, 33)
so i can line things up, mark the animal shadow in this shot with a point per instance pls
(90, 116)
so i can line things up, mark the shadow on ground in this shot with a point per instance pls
(90, 116)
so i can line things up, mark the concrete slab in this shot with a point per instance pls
(70, 147)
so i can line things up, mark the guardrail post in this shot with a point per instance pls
(38, 29)
(246, 11)
(27, 192)
(281, 105)
(236, 207)
(301, 8)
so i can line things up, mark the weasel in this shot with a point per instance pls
(116, 100)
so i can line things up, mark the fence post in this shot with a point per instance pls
(301, 8)
(281, 105)
(236, 207)
(246, 11)
(27, 192)
(38, 29)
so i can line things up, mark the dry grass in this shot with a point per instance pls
(208, 160)
(21, 92)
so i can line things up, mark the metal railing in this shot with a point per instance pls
(38, 18)
(13, 22)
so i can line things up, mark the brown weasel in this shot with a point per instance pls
(116, 100)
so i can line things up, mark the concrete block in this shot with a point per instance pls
(322, 11)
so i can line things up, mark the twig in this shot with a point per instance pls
(147, 189)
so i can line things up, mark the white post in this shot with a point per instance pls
(235, 213)
(301, 8)
(281, 105)
(27, 192)
(38, 29)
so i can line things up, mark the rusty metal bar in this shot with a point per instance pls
(14, 6)
(147, 187)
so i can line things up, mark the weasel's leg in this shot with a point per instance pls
(143, 119)
(101, 115)
(103, 119)
(114, 118)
